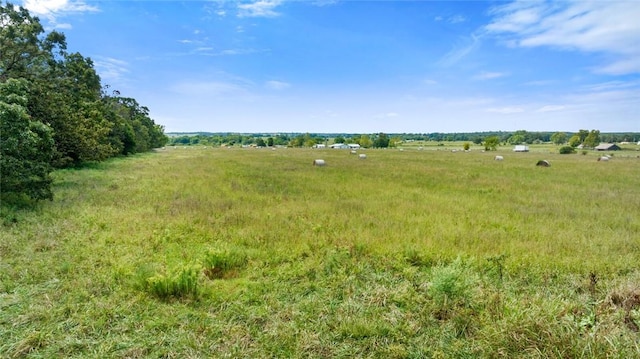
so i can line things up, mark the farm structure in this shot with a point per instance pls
(521, 148)
(607, 147)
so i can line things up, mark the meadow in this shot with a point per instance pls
(243, 252)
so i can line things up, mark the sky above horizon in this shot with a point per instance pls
(364, 66)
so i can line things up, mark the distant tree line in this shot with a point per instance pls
(381, 140)
(54, 111)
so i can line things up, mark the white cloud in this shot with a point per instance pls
(260, 8)
(488, 75)
(609, 27)
(456, 19)
(277, 85)
(53, 9)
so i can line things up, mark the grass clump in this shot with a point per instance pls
(181, 282)
(222, 263)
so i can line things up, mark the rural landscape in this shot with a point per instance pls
(122, 239)
(419, 251)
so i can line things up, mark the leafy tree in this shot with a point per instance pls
(270, 142)
(260, 142)
(339, 139)
(381, 141)
(26, 146)
(364, 141)
(582, 134)
(516, 139)
(466, 146)
(575, 141)
(491, 143)
(592, 139)
(559, 138)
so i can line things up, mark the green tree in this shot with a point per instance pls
(516, 139)
(491, 143)
(260, 142)
(26, 146)
(270, 141)
(582, 134)
(466, 146)
(575, 141)
(339, 139)
(381, 141)
(559, 138)
(364, 141)
(592, 139)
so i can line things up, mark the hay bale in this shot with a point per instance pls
(499, 158)
(543, 163)
(318, 162)
(353, 152)
(362, 156)
(603, 158)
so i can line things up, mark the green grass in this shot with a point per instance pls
(256, 253)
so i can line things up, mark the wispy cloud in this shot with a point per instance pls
(463, 48)
(489, 75)
(456, 19)
(110, 69)
(609, 27)
(260, 8)
(277, 85)
(54, 9)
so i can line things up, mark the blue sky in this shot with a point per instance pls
(364, 66)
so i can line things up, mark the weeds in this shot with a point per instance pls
(181, 282)
(222, 263)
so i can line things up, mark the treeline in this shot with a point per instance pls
(54, 110)
(379, 140)
(590, 138)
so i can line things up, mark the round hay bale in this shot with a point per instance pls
(543, 163)
(603, 158)
(499, 158)
(362, 156)
(353, 152)
(318, 162)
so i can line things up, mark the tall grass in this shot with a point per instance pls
(405, 254)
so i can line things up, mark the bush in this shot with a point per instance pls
(565, 150)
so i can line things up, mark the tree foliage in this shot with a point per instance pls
(491, 143)
(62, 103)
(559, 138)
(26, 146)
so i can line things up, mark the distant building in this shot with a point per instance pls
(339, 145)
(607, 147)
(354, 146)
(521, 148)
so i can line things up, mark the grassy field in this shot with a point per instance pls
(201, 252)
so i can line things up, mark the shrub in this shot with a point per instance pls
(179, 283)
(218, 263)
(565, 150)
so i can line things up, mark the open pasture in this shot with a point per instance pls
(214, 252)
